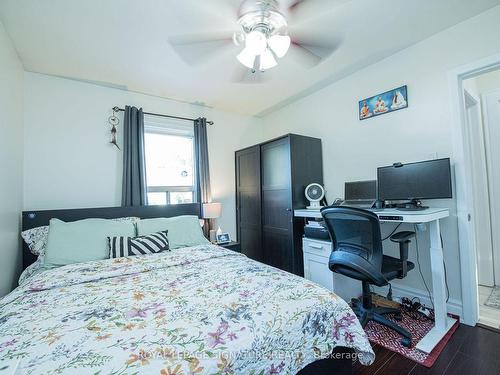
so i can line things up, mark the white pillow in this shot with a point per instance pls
(83, 240)
(36, 238)
(183, 231)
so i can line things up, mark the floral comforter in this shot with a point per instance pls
(197, 310)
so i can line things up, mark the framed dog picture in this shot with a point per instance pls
(386, 102)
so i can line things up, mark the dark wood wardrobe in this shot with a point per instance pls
(270, 181)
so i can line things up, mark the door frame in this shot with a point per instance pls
(278, 142)
(463, 185)
(480, 175)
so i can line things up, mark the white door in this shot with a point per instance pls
(481, 213)
(492, 137)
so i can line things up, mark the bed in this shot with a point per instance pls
(195, 310)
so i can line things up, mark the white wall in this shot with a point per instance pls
(11, 161)
(69, 162)
(353, 149)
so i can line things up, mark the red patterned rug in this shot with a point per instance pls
(389, 339)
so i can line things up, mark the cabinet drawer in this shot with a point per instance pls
(316, 270)
(322, 248)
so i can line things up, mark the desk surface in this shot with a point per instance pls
(421, 216)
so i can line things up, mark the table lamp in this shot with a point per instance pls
(210, 212)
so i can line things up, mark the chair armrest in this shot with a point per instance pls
(402, 236)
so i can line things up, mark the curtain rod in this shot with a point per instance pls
(116, 109)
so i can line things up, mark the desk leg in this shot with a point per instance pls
(443, 323)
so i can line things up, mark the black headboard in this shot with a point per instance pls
(33, 219)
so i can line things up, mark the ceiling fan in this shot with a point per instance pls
(264, 36)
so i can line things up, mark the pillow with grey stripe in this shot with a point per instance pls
(127, 246)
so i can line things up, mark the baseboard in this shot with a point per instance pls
(398, 291)
(488, 327)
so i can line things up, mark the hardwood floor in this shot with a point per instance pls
(471, 350)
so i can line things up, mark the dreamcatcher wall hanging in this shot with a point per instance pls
(114, 121)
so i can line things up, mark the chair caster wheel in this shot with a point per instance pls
(398, 317)
(406, 342)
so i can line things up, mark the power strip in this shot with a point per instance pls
(415, 307)
(425, 311)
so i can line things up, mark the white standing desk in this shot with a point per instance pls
(443, 322)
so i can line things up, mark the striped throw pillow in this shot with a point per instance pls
(128, 246)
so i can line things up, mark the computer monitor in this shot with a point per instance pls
(360, 190)
(429, 179)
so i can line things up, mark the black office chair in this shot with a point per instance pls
(357, 253)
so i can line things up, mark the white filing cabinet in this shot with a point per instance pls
(316, 255)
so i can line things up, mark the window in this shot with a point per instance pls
(169, 154)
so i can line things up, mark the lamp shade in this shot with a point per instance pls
(211, 210)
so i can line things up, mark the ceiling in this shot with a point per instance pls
(125, 43)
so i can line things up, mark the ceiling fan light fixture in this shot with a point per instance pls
(279, 44)
(238, 38)
(267, 60)
(247, 58)
(256, 42)
(265, 32)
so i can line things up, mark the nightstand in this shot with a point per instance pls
(233, 245)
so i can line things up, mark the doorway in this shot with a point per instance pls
(481, 108)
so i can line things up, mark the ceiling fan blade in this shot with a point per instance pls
(310, 50)
(197, 38)
(307, 55)
(301, 55)
(225, 10)
(301, 10)
(293, 4)
(322, 44)
(195, 49)
(236, 7)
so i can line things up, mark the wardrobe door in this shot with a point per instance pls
(248, 202)
(277, 214)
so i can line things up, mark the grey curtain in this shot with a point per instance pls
(203, 191)
(134, 189)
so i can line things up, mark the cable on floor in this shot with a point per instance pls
(445, 273)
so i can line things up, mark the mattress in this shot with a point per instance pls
(195, 310)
